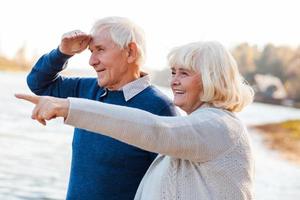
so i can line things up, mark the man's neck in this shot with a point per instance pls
(125, 81)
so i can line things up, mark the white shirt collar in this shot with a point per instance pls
(133, 88)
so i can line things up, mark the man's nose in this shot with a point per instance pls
(94, 61)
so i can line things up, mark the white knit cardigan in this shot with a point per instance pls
(205, 155)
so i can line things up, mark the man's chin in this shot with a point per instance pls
(101, 84)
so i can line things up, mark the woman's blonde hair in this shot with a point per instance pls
(122, 31)
(223, 86)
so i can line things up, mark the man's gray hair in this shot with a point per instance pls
(122, 31)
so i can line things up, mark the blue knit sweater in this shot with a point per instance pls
(102, 168)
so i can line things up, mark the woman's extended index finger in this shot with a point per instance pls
(31, 98)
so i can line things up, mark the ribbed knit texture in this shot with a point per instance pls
(102, 168)
(205, 155)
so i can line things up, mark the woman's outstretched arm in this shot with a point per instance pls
(201, 136)
(198, 137)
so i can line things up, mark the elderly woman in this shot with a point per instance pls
(203, 155)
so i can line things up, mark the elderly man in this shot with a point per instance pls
(103, 168)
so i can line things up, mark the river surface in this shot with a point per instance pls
(35, 160)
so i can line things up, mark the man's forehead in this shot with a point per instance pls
(100, 40)
(101, 34)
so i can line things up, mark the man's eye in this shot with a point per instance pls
(173, 73)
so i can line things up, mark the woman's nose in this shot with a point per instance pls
(174, 80)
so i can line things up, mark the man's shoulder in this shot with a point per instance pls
(153, 93)
(87, 87)
(85, 82)
(88, 79)
(155, 101)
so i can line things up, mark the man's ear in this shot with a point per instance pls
(132, 52)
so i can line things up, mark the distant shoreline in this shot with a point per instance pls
(77, 72)
(13, 69)
(283, 137)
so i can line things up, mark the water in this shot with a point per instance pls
(35, 160)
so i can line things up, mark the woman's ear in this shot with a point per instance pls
(132, 52)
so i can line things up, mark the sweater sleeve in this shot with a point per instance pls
(45, 78)
(198, 137)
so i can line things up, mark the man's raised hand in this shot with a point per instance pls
(74, 42)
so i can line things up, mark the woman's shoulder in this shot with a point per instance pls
(219, 118)
(213, 111)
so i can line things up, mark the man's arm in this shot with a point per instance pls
(44, 78)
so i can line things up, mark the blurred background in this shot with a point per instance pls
(263, 36)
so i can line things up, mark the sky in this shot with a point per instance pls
(39, 24)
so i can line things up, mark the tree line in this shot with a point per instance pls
(281, 61)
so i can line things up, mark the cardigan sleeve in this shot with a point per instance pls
(201, 136)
